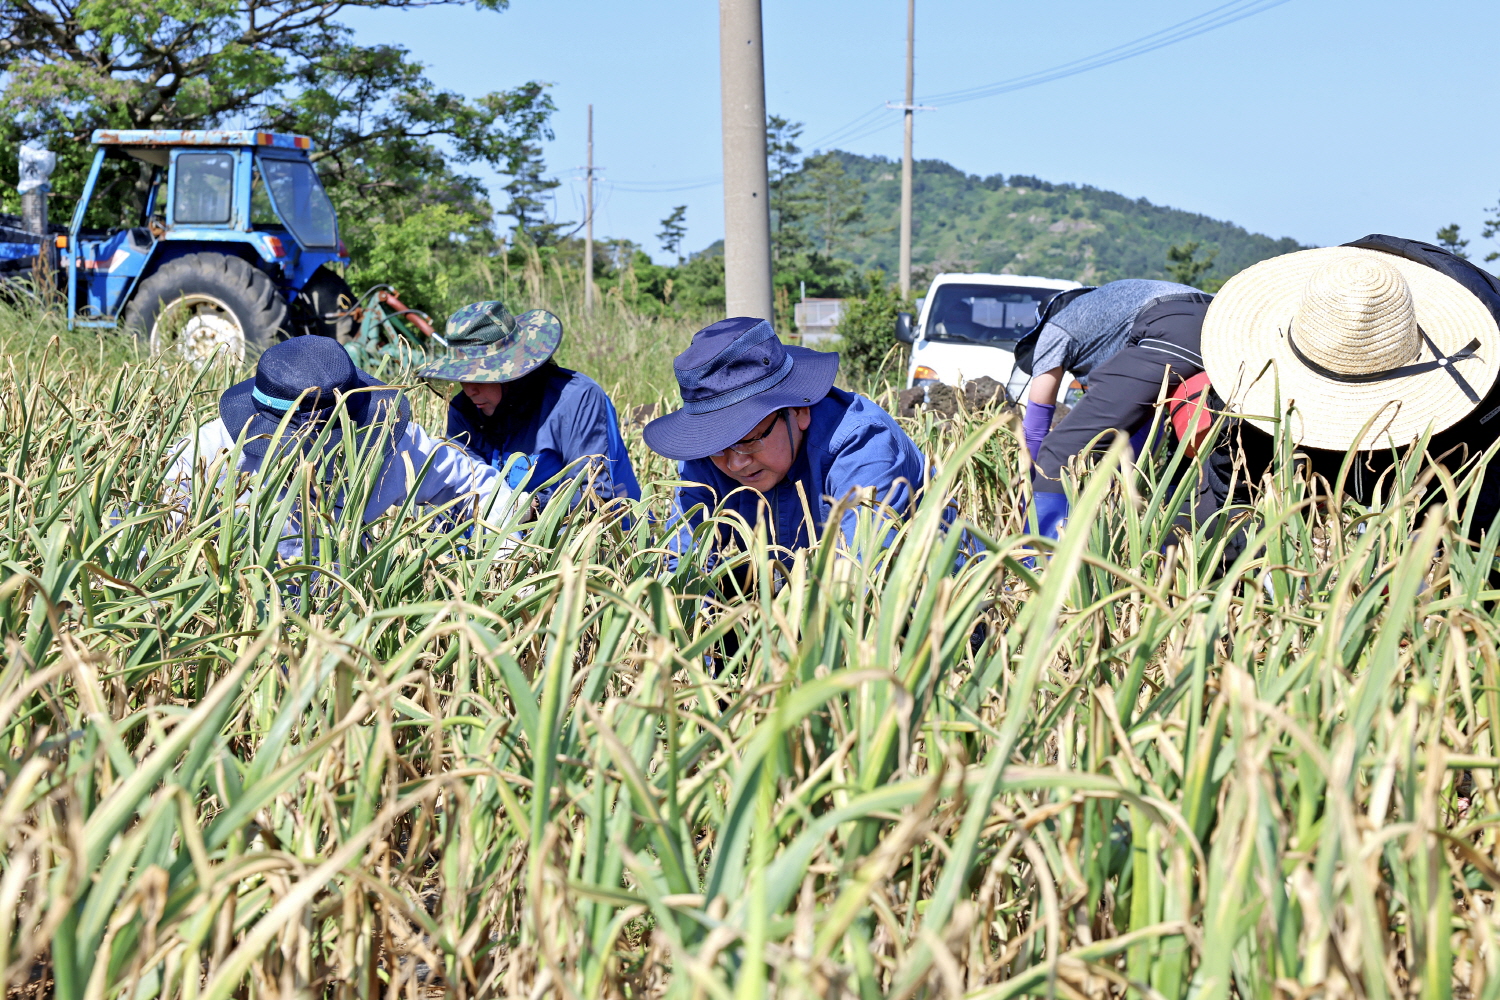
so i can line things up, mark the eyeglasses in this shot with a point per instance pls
(751, 445)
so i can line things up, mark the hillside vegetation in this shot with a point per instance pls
(1024, 225)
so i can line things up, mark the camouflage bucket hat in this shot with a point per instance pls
(483, 342)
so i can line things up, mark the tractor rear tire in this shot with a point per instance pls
(205, 304)
(323, 306)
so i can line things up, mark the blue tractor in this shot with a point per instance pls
(237, 246)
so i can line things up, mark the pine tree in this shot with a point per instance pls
(833, 201)
(782, 166)
(528, 189)
(1491, 230)
(1184, 268)
(1447, 238)
(673, 229)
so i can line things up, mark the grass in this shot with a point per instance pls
(628, 352)
(451, 761)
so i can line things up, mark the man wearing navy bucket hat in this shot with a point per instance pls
(292, 404)
(760, 418)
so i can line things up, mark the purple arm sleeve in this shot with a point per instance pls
(1038, 421)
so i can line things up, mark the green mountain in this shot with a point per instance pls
(1023, 225)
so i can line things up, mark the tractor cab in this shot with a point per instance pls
(236, 245)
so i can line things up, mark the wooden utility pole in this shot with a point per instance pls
(908, 110)
(588, 222)
(747, 216)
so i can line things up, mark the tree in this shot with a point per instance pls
(673, 229)
(833, 201)
(373, 116)
(1492, 229)
(867, 332)
(527, 189)
(68, 67)
(1447, 238)
(1183, 265)
(781, 172)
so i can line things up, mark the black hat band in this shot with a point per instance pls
(1443, 361)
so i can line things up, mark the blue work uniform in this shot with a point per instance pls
(451, 475)
(850, 444)
(551, 418)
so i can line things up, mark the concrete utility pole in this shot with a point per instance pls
(588, 222)
(904, 267)
(747, 215)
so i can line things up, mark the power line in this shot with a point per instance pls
(872, 122)
(1211, 20)
(837, 135)
(650, 187)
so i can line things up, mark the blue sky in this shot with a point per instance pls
(1322, 120)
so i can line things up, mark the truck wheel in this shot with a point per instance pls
(323, 305)
(207, 304)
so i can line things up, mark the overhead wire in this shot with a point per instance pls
(648, 187)
(837, 135)
(872, 122)
(1210, 20)
(869, 123)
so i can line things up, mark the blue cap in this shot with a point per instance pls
(306, 377)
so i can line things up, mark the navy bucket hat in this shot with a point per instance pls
(733, 374)
(307, 377)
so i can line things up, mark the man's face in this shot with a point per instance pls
(484, 395)
(768, 465)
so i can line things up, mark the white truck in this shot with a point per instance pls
(967, 327)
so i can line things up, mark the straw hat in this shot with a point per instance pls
(1341, 337)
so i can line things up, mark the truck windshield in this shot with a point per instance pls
(301, 201)
(985, 314)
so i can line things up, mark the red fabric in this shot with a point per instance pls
(1188, 408)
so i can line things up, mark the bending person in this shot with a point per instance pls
(762, 427)
(1364, 347)
(509, 398)
(298, 388)
(1161, 346)
(1080, 330)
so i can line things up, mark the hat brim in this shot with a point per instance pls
(686, 436)
(367, 406)
(1253, 369)
(526, 355)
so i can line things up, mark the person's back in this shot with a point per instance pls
(1093, 327)
(292, 406)
(1090, 330)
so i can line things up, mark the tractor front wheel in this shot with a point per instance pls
(205, 305)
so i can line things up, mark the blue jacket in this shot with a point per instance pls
(552, 417)
(851, 444)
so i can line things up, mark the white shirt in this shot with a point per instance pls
(453, 474)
